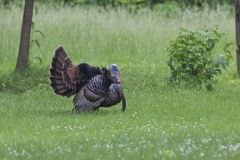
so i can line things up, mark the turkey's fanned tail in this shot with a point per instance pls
(63, 74)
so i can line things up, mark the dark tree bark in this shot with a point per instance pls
(237, 13)
(22, 60)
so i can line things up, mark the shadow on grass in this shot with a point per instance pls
(21, 81)
(70, 113)
(101, 112)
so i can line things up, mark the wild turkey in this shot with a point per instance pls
(93, 87)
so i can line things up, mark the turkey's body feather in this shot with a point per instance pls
(114, 95)
(83, 104)
(97, 94)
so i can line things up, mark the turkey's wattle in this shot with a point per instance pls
(93, 87)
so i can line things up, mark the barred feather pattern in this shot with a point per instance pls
(82, 104)
(114, 95)
(91, 95)
(97, 94)
(97, 86)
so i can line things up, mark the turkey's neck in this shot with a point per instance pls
(106, 81)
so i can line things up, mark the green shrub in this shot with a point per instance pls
(194, 59)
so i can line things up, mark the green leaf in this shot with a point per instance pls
(36, 42)
(36, 9)
(210, 44)
(33, 25)
(40, 32)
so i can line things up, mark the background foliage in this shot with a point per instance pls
(127, 2)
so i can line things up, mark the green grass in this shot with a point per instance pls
(160, 122)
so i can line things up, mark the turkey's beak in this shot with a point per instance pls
(123, 102)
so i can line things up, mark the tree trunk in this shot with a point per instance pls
(237, 17)
(22, 60)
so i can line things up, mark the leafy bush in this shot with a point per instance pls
(194, 58)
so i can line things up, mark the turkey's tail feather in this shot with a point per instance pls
(62, 73)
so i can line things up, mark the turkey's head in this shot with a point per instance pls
(115, 73)
(111, 75)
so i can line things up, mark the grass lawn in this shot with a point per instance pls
(160, 122)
